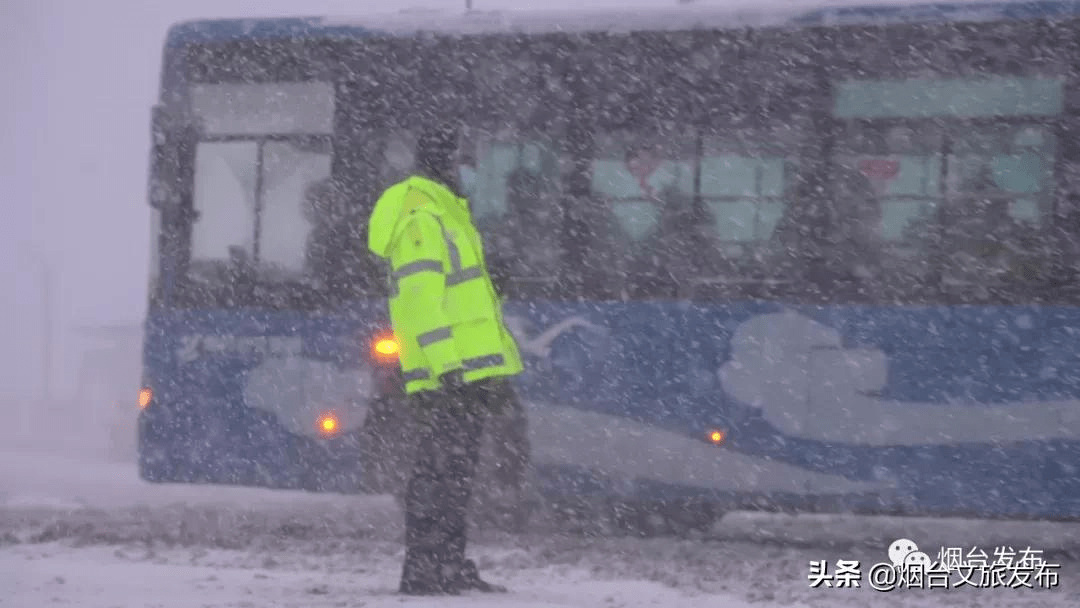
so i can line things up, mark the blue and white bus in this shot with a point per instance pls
(808, 261)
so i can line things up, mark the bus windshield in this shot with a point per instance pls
(262, 198)
(259, 203)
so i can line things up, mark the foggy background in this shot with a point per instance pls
(78, 80)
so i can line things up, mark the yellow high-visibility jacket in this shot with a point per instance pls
(444, 309)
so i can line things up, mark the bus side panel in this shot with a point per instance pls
(921, 410)
(967, 410)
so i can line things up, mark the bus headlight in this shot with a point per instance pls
(146, 395)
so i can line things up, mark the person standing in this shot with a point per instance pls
(456, 353)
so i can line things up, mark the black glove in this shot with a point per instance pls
(453, 380)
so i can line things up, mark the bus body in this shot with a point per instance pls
(820, 261)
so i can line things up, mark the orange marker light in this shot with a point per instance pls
(328, 424)
(716, 436)
(386, 348)
(145, 397)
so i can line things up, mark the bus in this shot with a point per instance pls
(801, 261)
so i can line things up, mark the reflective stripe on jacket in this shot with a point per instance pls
(443, 307)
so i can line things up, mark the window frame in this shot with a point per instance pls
(246, 289)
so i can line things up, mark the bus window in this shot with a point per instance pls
(638, 179)
(886, 188)
(641, 186)
(982, 190)
(154, 283)
(744, 196)
(224, 201)
(745, 193)
(252, 218)
(1000, 184)
(513, 185)
(291, 208)
(1018, 160)
(743, 188)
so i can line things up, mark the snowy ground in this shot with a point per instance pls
(81, 531)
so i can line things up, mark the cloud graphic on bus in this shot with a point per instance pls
(299, 391)
(797, 372)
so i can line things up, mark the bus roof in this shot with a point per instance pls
(676, 18)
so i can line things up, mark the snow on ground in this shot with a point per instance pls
(106, 577)
(79, 531)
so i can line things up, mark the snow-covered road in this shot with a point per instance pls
(79, 531)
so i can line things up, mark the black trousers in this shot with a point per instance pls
(508, 427)
(450, 428)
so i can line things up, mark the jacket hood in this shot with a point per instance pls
(391, 207)
(384, 218)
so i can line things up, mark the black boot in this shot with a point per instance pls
(417, 587)
(468, 579)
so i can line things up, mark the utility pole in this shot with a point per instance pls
(47, 313)
(468, 5)
(45, 308)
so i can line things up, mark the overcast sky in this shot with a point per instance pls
(79, 78)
